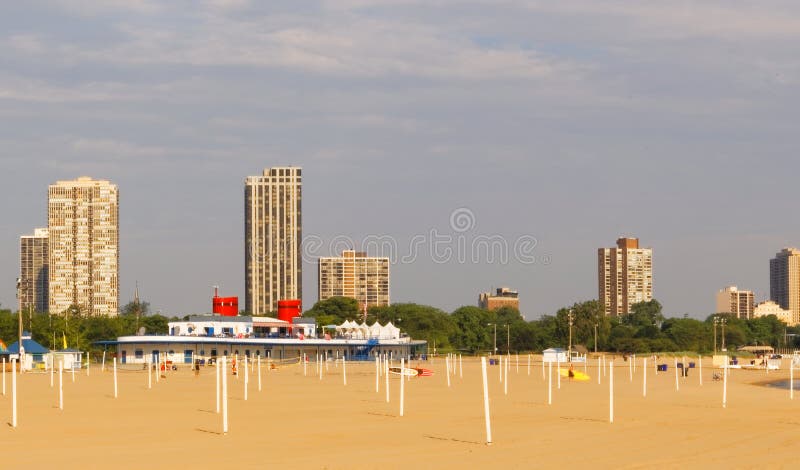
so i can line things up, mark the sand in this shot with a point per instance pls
(305, 422)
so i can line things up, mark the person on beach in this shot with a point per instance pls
(571, 372)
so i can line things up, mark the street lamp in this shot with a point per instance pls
(716, 320)
(595, 338)
(722, 321)
(495, 336)
(508, 339)
(570, 317)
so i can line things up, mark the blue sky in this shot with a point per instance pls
(568, 123)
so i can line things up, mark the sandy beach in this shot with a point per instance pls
(304, 422)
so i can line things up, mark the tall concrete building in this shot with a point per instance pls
(356, 275)
(769, 307)
(784, 281)
(83, 221)
(33, 269)
(504, 297)
(625, 276)
(737, 302)
(273, 233)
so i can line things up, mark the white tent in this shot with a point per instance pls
(390, 331)
(375, 330)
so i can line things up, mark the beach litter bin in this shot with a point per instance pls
(691, 365)
(491, 362)
(662, 367)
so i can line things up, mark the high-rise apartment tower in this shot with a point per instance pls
(356, 275)
(83, 221)
(273, 234)
(784, 281)
(625, 276)
(33, 268)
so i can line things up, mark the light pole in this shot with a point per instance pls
(595, 338)
(570, 317)
(716, 320)
(495, 336)
(722, 321)
(508, 339)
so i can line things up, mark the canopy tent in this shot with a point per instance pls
(354, 330)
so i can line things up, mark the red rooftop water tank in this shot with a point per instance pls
(288, 309)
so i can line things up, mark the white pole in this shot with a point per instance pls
(61, 386)
(529, 364)
(447, 363)
(52, 368)
(158, 369)
(149, 375)
(377, 374)
(319, 360)
(386, 376)
(486, 403)
(224, 396)
(677, 386)
(725, 385)
(73, 372)
(115, 377)
(103, 364)
(611, 392)
(246, 378)
(259, 372)
(87, 363)
(460, 367)
(700, 364)
(550, 383)
(216, 363)
(402, 384)
(500, 357)
(13, 393)
(304, 358)
(558, 371)
(599, 370)
(344, 371)
(505, 382)
(630, 368)
(644, 377)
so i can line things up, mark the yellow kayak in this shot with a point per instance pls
(577, 375)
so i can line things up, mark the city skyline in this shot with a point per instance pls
(594, 120)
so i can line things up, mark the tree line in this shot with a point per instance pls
(472, 329)
(468, 329)
(77, 330)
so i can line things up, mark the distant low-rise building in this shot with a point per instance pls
(738, 303)
(771, 308)
(504, 297)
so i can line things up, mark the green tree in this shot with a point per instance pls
(470, 329)
(334, 310)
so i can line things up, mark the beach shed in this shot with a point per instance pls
(72, 358)
(554, 355)
(35, 355)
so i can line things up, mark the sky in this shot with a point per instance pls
(427, 131)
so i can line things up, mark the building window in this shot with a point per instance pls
(138, 353)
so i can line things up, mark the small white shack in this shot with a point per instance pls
(554, 355)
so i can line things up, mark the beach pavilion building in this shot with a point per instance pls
(204, 338)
